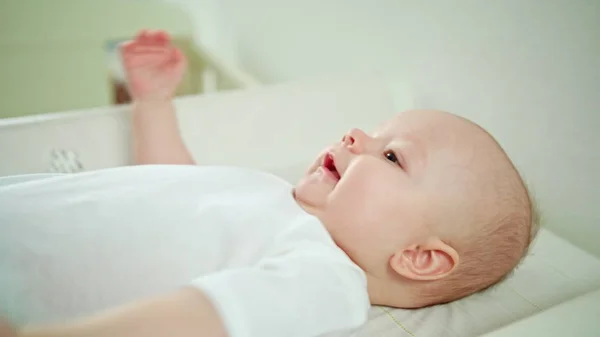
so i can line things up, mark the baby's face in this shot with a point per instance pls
(378, 193)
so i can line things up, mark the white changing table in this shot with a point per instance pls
(578, 317)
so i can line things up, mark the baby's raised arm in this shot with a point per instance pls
(154, 69)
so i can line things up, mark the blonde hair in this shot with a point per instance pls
(495, 249)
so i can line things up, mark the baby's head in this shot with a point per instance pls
(430, 207)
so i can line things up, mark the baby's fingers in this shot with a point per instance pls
(153, 38)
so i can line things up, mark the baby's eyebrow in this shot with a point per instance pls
(411, 151)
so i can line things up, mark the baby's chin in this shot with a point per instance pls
(312, 192)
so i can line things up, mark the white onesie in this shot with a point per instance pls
(74, 244)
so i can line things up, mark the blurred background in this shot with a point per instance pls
(527, 70)
(62, 55)
(492, 55)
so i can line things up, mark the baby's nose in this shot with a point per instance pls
(355, 140)
(347, 140)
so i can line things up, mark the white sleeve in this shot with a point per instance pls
(300, 293)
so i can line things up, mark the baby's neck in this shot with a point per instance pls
(382, 292)
(390, 293)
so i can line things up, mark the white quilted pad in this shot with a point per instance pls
(555, 271)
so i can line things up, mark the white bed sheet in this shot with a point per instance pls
(555, 271)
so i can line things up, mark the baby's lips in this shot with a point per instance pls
(339, 160)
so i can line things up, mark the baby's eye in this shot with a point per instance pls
(391, 156)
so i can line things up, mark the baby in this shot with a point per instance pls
(426, 210)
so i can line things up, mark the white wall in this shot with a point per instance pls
(527, 70)
(53, 53)
(213, 28)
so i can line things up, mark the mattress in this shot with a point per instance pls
(555, 271)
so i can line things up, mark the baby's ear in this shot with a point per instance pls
(431, 260)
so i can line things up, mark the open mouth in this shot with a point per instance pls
(329, 165)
